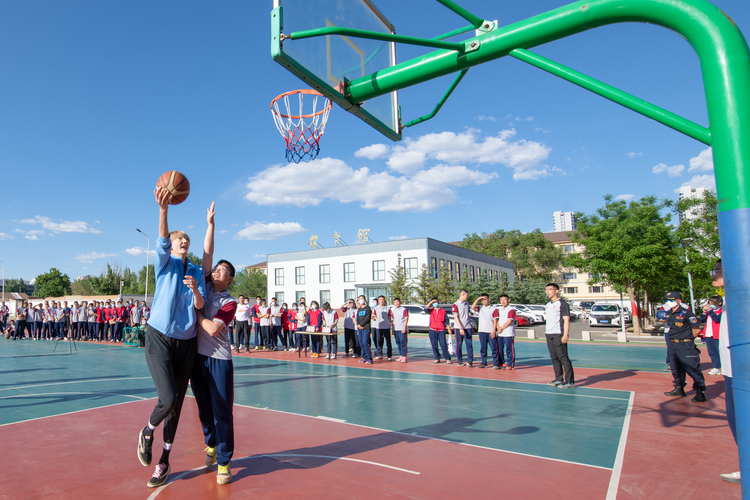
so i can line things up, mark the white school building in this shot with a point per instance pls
(338, 274)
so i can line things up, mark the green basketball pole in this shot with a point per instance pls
(725, 65)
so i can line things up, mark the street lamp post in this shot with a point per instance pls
(685, 243)
(148, 251)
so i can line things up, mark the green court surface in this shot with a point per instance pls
(582, 426)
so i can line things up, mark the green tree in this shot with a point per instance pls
(52, 284)
(443, 287)
(15, 285)
(629, 246)
(423, 285)
(252, 283)
(399, 286)
(84, 286)
(198, 261)
(699, 232)
(532, 255)
(527, 292)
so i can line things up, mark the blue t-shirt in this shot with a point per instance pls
(173, 310)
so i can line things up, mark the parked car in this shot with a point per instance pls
(538, 309)
(538, 318)
(606, 314)
(576, 313)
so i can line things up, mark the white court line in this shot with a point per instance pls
(614, 480)
(437, 439)
(560, 392)
(331, 419)
(273, 455)
(19, 387)
(57, 393)
(68, 413)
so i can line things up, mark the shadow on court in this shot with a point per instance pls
(605, 377)
(30, 370)
(256, 383)
(30, 400)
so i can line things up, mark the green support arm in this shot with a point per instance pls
(374, 35)
(671, 120)
(474, 20)
(440, 103)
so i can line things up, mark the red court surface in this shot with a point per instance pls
(675, 449)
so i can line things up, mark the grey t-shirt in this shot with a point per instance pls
(555, 312)
(381, 317)
(218, 307)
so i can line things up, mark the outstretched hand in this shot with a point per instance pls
(210, 213)
(163, 197)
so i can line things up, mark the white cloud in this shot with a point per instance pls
(136, 251)
(396, 238)
(527, 119)
(704, 162)
(271, 231)
(673, 171)
(4, 236)
(63, 226)
(223, 231)
(633, 155)
(260, 256)
(32, 237)
(625, 197)
(372, 152)
(707, 181)
(540, 129)
(425, 191)
(483, 118)
(466, 147)
(89, 257)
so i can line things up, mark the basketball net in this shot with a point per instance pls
(301, 131)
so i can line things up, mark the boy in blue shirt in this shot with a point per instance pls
(171, 343)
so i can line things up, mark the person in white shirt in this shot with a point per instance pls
(330, 322)
(399, 317)
(351, 342)
(558, 328)
(241, 325)
(276, 336)
(264, 318)
(382, 329)
(505, 333)
(487, 325)
(463, 329)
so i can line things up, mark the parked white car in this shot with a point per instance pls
(538, 317)
(606, 314)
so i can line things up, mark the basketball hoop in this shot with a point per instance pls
(301, 131)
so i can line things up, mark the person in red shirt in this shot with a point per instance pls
(256, 324)
(99, 310)
(438, 327)
(315, 320)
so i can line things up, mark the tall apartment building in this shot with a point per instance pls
(563, 221)
(690, 192)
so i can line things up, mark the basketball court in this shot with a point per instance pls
(333, 429)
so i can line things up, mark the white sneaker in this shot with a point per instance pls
(734, 477)
(328, 356)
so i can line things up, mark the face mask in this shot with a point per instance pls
(313, 307)
(361, 302)
(257, 301)
(713, 307)
(670, 305)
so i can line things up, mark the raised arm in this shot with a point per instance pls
(162, 199)
(208, 242)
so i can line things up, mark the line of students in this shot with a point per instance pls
(95, 320)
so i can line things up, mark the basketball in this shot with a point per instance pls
(177, 185)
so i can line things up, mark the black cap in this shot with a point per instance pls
(673, 295)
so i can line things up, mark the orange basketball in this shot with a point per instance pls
(177, 185)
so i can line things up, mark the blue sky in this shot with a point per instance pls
(97, 99)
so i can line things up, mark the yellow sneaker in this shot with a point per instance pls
(210, 456)
(225, 475)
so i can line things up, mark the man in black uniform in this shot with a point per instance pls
(683, 355)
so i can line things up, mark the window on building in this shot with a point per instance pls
(450, 269)
(596, 289)
(279, 276)
(569, 276)
(299, 275)
(433, 267)
(350, 294)
(570, 289)
(442, 265)
(325, 273)
(458, 271)
(471, 273)
(325, 296)
(378, 270)
(298, 295)
(279, 297)
(411, 266)
(567, 248)
(466, 270)
(479, 272)
(349, 272)
(497, 275)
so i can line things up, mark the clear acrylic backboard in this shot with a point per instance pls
(325, 62)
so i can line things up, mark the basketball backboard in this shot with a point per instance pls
(325, 62)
